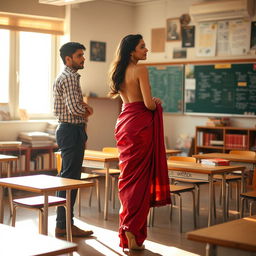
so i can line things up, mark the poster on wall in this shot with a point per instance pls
(97, 51)
(223, 38)
(239, 37)
(188, 36)
(206, 43)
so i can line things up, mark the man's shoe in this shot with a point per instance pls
(76, 232)
(60, 232)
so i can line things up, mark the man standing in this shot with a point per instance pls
(72, 114)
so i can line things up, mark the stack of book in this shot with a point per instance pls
(215, 161)
(10, 144)
(218, 121)
(36, 139)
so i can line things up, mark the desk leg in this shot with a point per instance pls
(9, 171)
(210, 250)
(68, 215)
(45, 216)
(210, 200)
(242, 191)
(106, 192)
(1, 204)
(224, 199)
(254, 177)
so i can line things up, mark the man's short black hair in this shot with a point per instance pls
(69, 48)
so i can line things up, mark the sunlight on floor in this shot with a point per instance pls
(107, 241)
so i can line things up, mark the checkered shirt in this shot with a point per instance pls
(68, 96)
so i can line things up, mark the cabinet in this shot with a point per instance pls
(223, 139)
(32, 158)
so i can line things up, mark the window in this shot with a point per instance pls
(4, 65)
(35, 65)
(29, 63)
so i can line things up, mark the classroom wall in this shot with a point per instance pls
(109, 22)
(139, 19)
(154, 15)
(105, 22)
(32, 7)
(99, 21)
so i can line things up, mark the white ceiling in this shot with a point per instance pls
(66, 2)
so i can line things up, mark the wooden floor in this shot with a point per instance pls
(163, 239)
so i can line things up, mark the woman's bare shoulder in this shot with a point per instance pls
(141, 69)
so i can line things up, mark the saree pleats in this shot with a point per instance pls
(143, 181)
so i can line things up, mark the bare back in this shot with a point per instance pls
(130, 89)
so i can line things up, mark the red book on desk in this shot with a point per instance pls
(215, 161)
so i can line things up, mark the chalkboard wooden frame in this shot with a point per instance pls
(207, 62)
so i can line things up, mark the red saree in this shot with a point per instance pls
(144, 179)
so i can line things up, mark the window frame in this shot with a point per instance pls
(14, 71)
(16, 23)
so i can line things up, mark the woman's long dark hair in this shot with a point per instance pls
(123, 56)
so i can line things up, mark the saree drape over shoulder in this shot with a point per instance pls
(144, 179)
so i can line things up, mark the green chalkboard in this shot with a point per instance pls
(221, 89)
(167, 84)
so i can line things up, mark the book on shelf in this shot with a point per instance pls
(215, 162)
(10, 144)
(34, 136)
(207, 137)
(216, 142)
(36, 139)
(39, 143)
(236, 141)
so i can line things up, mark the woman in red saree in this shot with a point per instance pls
(143, 181)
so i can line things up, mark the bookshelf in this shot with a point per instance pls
(223, 139)
(32, 158)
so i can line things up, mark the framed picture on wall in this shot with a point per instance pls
(97, 51)
(188, 36)
(173, 29)
(253, 35)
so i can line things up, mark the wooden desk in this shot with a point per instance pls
(179, 169)
(22, 243)
(232, 158)
(43, 184)
(171, 152)
(9, 161)
(237, 234)
(100, 160)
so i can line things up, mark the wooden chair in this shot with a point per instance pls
(234, 178)
(84, 176)
(248, 153)
(230, 179)
(36, 203)
(177, 190)
(196, 183)
(251, 196)
(114, 173)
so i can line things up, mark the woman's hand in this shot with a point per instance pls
(157, 100)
